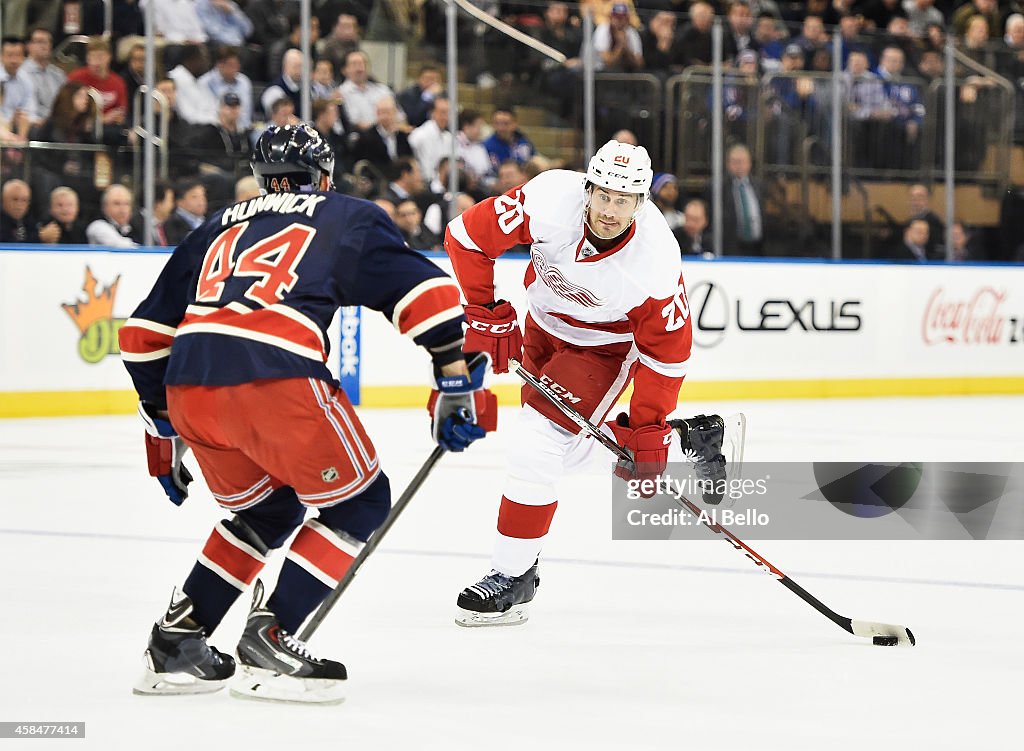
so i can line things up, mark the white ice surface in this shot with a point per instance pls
(630, 645)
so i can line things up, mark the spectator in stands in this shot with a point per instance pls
(406, 181)
(626, 136)
(189, 210)
(384, 142)
(163, 207)
(921, 13)
(739, 23)
(115, 228)
(665, 195)
(98, 75)
(813, 36)
(223, 147)
(387, 206)
(15, 225)
(740, 93)
(177, 21)
(282, 112)
(898, 35)
(878, 13)
(935, 38)
(507, 141)
(471, 147)
(195, 102)
(360, 93)
(903, 115)
(965, 245)
(602, 10)
(246, 188)
(271, 20)
(45, 77)
(850, 28)
(742, 215)
(866, 106)
(919, 197)
(696, 38)
(510, 175)
(770, 36)
(344, 38)
(63, 225)
(792, 106)
(561, 81)
(275, 54)
(930, 65)
(325, 120)
(227, 77)
(71, 121)
(323, 84)
(287, 85)
(987, 8)
(134, 74)
(179, 132)
(618, 44)
(692, 236)
(19, 100)
(913, 244)
(224, 22)
(535, 165)
(409, 220)
(418, 100)
(432, 140)
(975, 42)
(663, 52)
(329, 10)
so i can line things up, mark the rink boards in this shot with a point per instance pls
(762, 329)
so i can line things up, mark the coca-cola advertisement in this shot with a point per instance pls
(977, 318)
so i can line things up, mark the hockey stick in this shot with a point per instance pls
(372, 543)
(881, 634)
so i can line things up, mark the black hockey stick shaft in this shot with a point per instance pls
(847, 624)
(372, 543)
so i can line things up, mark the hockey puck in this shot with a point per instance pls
(885, 641)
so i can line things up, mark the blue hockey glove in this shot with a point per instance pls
(461, 409)
(164, 452)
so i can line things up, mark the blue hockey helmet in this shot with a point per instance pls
(293, 158)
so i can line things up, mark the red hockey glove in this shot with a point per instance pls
(647, 445)
(461, 409)
(496, 332)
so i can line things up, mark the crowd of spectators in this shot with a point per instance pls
(227, 68)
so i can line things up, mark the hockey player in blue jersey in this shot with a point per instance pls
(228, 356)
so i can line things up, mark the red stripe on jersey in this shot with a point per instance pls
(266, 321)
(426, 305)
(524, 522)
(321, 553)
(136, 340)
(611, 327)
(235, 561)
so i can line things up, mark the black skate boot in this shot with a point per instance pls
(178, 659)
(498, 599)
(701, 438)
(277, 666)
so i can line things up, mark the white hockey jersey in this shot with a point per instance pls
(631, 292)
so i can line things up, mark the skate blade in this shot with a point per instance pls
(259, 684)
(514, 616)
(174, 684)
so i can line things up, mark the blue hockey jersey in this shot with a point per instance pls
(249, 294)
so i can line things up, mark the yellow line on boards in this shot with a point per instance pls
(68, 403)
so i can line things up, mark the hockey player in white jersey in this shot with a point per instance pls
(606, 305)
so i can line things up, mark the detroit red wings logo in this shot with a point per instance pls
(557, 283)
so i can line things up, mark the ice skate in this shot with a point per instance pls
(498, 599)
(178, 659)
(276, 666)
(701, 438)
